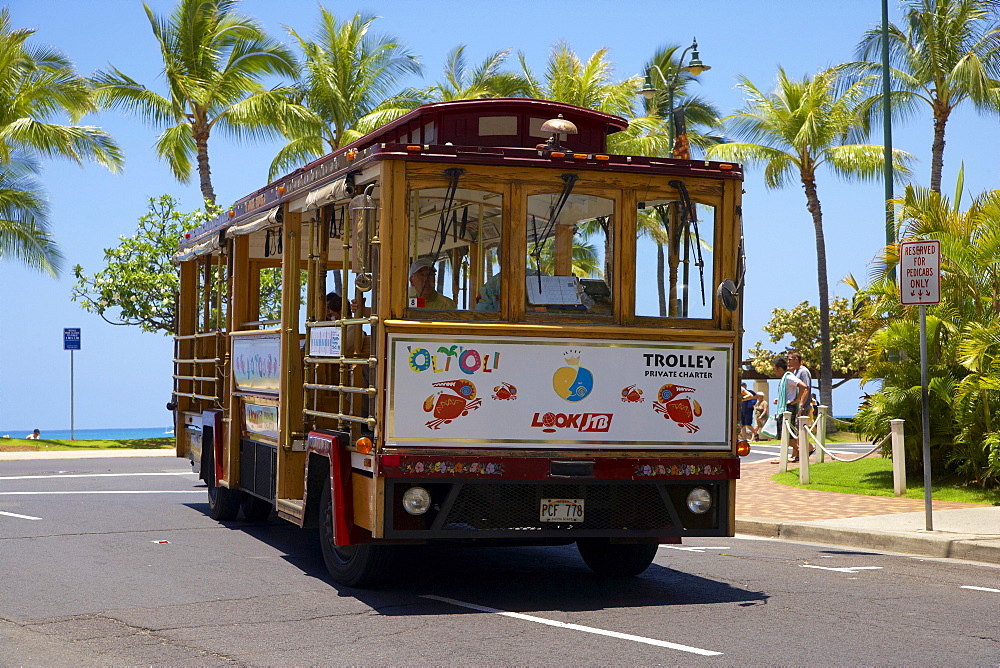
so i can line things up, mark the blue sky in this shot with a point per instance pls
(122, 376)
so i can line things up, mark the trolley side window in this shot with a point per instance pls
(569, 254)
(453, 254)
(675, 260)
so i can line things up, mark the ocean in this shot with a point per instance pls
(93, 434)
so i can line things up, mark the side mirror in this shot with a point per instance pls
(728, 294)
(362, 220)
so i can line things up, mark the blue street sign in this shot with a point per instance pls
(71, 338)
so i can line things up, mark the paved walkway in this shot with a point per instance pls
(968, 531)
(759, 496)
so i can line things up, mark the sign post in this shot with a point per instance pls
(71, 342)
(920, 284)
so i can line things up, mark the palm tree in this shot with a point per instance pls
(587, 84)
(24, 231)
(963, 334)
(795, 130)
(947, 53)
(38, 84)
(349, 81)
(213, 62)
(648, 134)
(485, 81)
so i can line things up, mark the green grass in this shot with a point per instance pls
(872, 476)
(48, 445)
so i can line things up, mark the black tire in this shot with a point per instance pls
(353, 565)
(223, 503)
(616, 560)
(256, 509)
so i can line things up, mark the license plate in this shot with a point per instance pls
(561, 510)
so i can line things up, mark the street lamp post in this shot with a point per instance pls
(648, 91)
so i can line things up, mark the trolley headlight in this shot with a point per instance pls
(699, 500)
(416, 500)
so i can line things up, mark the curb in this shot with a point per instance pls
(947, 546)
(87, 454)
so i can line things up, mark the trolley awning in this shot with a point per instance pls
(321, 197)
(209, 244)
(258, 222)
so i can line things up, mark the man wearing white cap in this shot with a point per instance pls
(422, 292)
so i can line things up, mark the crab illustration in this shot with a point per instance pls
(505, 392)
(447, 406)
(680, 409)
(632, 395)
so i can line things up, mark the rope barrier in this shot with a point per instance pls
(811, 435)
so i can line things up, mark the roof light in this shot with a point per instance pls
(557, 154)
(351, 155)
(725, 166)
(580, 156)
(281, 190)
(602, 157)
(414, 147)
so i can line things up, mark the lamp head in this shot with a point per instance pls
(647, 90)
(695, 66)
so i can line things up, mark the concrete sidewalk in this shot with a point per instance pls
(765, 508)
(961, 530)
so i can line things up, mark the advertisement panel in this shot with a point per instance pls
(257, 362)
(549, 393)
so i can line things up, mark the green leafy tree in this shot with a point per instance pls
(848, 334)
(139, 283)
(946, 54)
(39, 86)
(349, 81)
(963, 338)
(800, 127)
(214, 61)
(484, 81)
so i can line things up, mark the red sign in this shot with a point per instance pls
(920, 272)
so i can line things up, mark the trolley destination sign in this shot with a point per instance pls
(920, 272)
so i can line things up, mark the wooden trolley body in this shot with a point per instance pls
(571, 408)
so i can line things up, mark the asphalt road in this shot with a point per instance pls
(114, 561)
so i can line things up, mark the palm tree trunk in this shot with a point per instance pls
(826, 363)
(937, 149)
(661, 287)
(204, 171)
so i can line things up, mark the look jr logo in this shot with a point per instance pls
(573, 382)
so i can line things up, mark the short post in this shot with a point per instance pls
(898, 458)
(821, 420)
(803, 450)
(783, 451)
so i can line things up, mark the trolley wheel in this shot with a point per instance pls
(256, 509)
(616, 560)
(350, 565)
(223, 503)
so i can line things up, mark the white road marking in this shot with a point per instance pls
(110, 491)
(980, 588)
(23, 517)
(846, 569)
(576, 627)
(90, 475)
(693, 549)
